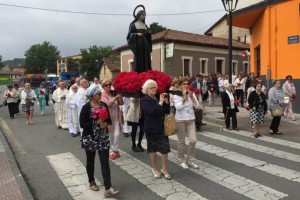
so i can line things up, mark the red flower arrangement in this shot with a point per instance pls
(127, 82)
(42, 92)
(8, 95)
(293, 96)
(163, 80)
(100, 113)
(196, 91)
(238, 84)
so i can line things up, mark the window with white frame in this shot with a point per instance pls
(203, 66)
(130, 65)
(187, 65)
(246, 68)
(235, 67)
(220, 65)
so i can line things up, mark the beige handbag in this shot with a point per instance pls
(170, 125)
(277, 112)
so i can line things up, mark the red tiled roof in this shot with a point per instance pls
(193, 39)
(7, 72)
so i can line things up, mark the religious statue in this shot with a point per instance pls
(139, 41)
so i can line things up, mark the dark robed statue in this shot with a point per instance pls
(139, 41)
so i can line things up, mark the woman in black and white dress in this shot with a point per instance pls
(258, 108)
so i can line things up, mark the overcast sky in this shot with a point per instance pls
(21, 28)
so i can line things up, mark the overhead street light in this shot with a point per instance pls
(230, 6)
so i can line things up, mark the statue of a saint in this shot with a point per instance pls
(139, 41)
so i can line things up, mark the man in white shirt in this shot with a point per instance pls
(96, 83)
(239, 85)
(80, 97)
(222, 83)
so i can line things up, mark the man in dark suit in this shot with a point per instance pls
(229, 107)
(198, 84)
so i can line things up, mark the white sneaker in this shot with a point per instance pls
(193, 165)
(184, 165)
(42, 113)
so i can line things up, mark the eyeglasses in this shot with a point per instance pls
(184, 84)
(152, 88)
(107, 85)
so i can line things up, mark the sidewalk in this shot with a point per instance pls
(12, 183)
(287, 127)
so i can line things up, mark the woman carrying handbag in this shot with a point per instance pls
(275, 104)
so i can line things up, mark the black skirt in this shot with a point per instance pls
(157, 143)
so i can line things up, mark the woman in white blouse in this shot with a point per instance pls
(185, 119)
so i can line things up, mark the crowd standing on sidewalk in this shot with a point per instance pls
(100, 115)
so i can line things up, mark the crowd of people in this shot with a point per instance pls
(99, 115)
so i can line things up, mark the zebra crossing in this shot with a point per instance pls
(274, 178)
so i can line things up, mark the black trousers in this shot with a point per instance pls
(17, 110)
(240, 96)
(275, 124)
(198, 117)
(134, 131)
(104, 161)
(11, 109)
(231, 114)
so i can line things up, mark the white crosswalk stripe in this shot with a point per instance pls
(276, 170)
(73, 173)
(267, 139)
(231, 181)
(254, 147)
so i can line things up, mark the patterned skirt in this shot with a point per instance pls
(28, 107)
(258, 116)
(157, 143)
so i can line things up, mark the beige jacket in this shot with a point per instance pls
(134, 111)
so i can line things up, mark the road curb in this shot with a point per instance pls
(26, 193)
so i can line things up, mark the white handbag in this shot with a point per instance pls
(286, 100)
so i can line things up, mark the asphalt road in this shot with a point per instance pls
(233, 166)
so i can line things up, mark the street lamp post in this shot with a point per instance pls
(230, 6)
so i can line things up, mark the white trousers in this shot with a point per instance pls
(115, 136)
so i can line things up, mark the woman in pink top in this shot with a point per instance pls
(113, 103)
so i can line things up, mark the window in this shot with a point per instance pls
(235, 68)
(187, 65)
(204, 66)
(257, 51)
(246, 67)
(220, 65)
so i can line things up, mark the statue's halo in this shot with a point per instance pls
(134, 14)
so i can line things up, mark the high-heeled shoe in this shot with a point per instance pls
(167, 176)
(135, 149)
(158, 176)
(271, 132)
(139, 146)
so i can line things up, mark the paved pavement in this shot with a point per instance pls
(233, 165)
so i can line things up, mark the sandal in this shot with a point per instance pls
(167, 176)
(158, 176)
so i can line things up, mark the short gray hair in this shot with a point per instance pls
(146, 85)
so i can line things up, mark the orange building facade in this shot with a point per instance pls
(275, 40)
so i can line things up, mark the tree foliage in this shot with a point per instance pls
(91, 60)
(40, 57)
(73, 65)
(16, 62)
(155, 28)
(1, 63)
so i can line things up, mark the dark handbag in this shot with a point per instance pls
(5, 102)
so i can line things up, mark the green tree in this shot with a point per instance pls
(155, 28)
(1, 63)
(73, 65)
(40, 57)
(91, 60)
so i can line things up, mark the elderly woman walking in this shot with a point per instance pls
(113, 103)
(289, 90)
(258, 108)
(275, 104)
(28, 97)
(185, 119)
(154, 110)
(95, 138)
(11, 98)
(72, 111)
